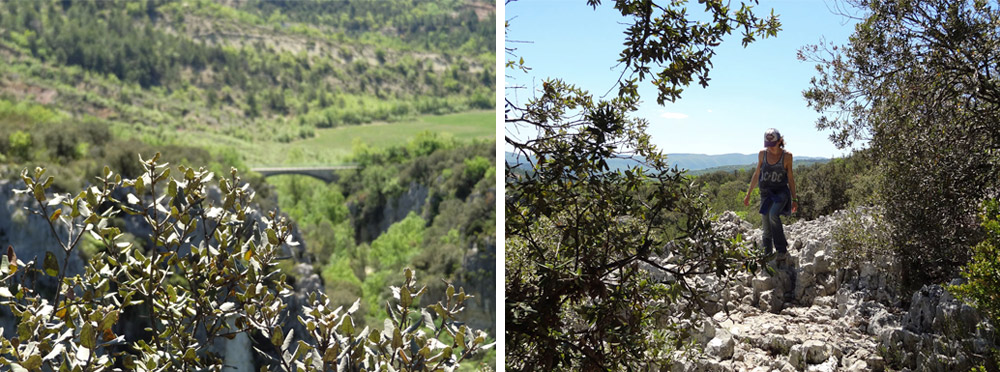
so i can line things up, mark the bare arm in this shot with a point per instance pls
(753, 180)
(791, 181)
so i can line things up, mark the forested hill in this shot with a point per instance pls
(283, 68)
(696, 163)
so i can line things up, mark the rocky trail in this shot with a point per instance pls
(810, 315)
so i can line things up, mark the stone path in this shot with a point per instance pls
(812, 316)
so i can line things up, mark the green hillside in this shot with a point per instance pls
(261, 71)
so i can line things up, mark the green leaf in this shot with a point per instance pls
(277, 337)
(109, 319)
(347, 326)
(51, 264)
(272, 237)
(440, 310)
(404, 297)
(163, 175)
(39, 192)
(172, 189)
(460, 337)
(88, 338)
(397, 338)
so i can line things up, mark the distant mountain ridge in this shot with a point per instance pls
(691, 162)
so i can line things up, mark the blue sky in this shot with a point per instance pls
(751, 89)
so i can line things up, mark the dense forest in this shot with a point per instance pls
(88, 87)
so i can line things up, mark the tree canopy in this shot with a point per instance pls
(918, 85)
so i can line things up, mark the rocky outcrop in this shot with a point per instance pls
(370, 225)
(810, 315)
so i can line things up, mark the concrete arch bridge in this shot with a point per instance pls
(327, 174)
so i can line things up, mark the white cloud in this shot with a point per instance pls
(709, 111)
(673, 115)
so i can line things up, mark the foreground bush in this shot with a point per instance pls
(205, 274)
(982, 288)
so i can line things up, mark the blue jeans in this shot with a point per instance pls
(774, 232)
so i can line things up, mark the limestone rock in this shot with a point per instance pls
(797, 358)
(808, 314)
(815, 351)
(722, 345)
(829, 365)
(778, 344)
(771, 301)
(881, 321)
(763, 282)
(923, 305)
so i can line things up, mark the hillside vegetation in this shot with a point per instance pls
(257, 71)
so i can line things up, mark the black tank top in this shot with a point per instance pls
(773, 176)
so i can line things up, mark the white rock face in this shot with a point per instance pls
(239, 352)
(722, 345)
(810, 315)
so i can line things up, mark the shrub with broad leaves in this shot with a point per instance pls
(206, 274)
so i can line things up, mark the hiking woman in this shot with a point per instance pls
(777, 190)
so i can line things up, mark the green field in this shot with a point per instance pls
(331, 146)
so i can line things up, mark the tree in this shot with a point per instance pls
(578, 235)
(206, 272)
(918, 85)
(20, 144)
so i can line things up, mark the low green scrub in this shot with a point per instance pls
(862, 237)
(982, 273)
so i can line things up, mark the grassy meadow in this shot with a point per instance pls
(333, 145)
